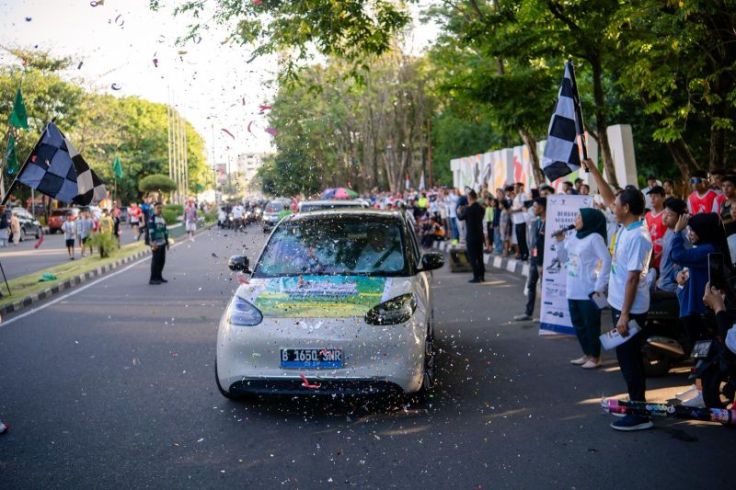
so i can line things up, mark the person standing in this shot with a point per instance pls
(15, 228)
(651, 184)
(84, 230)
(488, 220)
(654, 222)
(4, 227)
(519, 222)
(583, 254)
(159, 238)
(134, 217)
(703, 199)
(452, 214)
(472, 215)
(70, 234)
(190, 219)
(105, 226)
(728, 213)
(537, 257)
(145, 217)
(668, 270)
(628, 291)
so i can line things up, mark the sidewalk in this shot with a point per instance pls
(509, 264)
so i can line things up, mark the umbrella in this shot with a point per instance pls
(343, 193)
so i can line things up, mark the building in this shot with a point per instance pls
(247, 164)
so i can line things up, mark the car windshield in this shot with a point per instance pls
(274, 207)
(334, 245)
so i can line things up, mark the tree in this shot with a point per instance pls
(157, 183)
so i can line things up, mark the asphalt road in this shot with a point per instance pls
(113, 387)
(24, 259)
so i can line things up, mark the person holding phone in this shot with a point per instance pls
(588, 263)
(707, 237)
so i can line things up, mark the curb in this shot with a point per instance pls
(75, 281)
(68, 284)
(510, 265)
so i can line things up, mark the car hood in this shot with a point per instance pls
(315, 296)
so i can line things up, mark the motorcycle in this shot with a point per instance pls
(667, 341)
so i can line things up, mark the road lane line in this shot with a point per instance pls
(80, 289)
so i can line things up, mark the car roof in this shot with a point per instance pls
(338, 202)
(345, 212)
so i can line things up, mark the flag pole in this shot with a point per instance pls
(578, 111)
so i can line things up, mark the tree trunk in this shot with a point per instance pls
(601, 120)
(531, 143)
(683, 157)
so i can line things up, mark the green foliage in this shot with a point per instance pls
(104, 242)
(100, 126)
(156, 183)
(170, 216)
(353, 30)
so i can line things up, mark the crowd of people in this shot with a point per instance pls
(632, 247)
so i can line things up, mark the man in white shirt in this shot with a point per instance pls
(628, 290)
(452, 214)
(238, 212)
(519, 221)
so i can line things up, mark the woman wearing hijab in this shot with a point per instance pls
(588, 264)
(707, 235)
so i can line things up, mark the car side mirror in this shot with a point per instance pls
(432, 261)
(239, 263)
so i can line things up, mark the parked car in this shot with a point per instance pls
(28, 225)
(58, 216)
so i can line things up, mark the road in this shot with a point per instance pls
(24, 259)
(113, 387)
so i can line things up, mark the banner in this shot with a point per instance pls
(555, 315)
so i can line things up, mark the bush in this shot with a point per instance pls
(105, 242)
(156, 183)
(170, 216)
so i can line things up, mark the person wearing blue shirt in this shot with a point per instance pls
(668, 269)
(707, 236)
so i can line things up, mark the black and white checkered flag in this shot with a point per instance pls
(561, 154)
(56, 169)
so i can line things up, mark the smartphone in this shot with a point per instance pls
(717, 272)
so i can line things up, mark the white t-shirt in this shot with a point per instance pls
(452, 205)
(632, 250)
(581, 258)
(238, 212)
(518, 203)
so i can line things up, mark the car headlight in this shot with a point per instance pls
(396, 310)
(243, 314)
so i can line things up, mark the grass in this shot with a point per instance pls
(29, 284)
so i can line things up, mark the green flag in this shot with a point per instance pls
(19, 116)
(11, 161)
(117, 167)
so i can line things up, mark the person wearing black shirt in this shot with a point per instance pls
(473, 214)
(537, 257)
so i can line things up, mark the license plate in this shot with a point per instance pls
(311, 358)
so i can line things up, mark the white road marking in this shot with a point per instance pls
(79, 290)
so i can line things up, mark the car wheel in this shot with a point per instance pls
(224, 392)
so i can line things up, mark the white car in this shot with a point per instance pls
(339, 302)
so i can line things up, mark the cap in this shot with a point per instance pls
(657, 189)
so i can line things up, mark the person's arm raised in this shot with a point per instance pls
(606, 191)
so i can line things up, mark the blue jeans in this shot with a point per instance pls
(453, 228)
(586, 318)
(497, 240)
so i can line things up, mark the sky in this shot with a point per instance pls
(210, 82)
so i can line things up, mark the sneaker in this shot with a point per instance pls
(164, 280)
(522, 318)
(591, 364)
(3, 427)
(689, 393)
(154, 283)
(631, 423)
(579, 361)
(694, 402)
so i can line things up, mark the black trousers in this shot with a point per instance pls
(158, 260)
(474, 249)
(531, 286)
(521, 240)
(631, 360)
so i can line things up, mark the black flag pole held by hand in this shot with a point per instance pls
(561, 153)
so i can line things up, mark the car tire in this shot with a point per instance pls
(224, 392)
